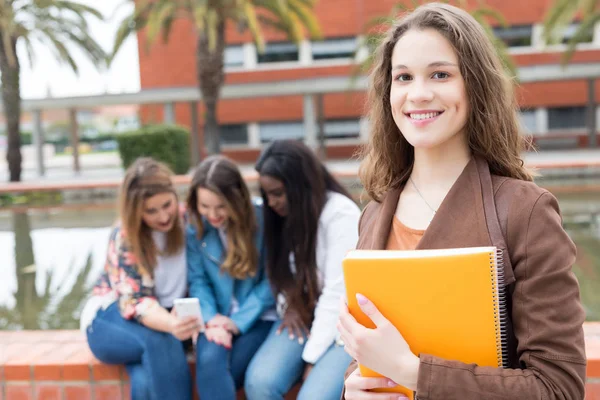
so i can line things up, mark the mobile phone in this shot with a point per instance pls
(189, 307)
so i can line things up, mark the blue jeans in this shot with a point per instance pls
(155, 361)
(219, 371)
(278, 366)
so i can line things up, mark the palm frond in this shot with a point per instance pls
(200, 14)
(582, 33)
(212, 20)
(160, 14)
(59, 49)
(78, 9)
(307, 18)
(89, 46)
(130, 24)
(484, 14)
(558, 17)
(29, 49)
(254, 26)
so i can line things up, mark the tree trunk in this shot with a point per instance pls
(210, 79)
(74, 125)
(11, 97)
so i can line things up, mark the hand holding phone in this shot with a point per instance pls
(189, 307)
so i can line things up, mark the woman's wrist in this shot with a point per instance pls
(408, 371)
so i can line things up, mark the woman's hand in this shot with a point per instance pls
(184, 328)
(224, 322)
(382, 349)
(294, 324)
(357, 388)
(219, 335)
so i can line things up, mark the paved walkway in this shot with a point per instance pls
(105, 169)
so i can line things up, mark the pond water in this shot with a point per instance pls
(51, 257)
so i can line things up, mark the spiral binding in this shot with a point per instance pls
(499, 298)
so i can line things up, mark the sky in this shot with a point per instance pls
(49, 76)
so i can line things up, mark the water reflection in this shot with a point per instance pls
(47, 273)
(50, 258)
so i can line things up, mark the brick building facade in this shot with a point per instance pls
(549, 109)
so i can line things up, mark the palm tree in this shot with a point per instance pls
(291, 17)
(54, 23)
(564, 12)
(481, 13)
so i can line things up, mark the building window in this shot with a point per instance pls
(528, 121)
(566, 118)
(270, 131)
(234, 56)
(234, 134)
(515, 36)
(342, 129)
(278, 52)
(571, 30)
(334, 48)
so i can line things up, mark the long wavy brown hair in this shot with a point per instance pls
(143, 179)
(222, 177)
(492, 127)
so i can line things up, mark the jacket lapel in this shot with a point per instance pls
(383, 222)
(460, 220)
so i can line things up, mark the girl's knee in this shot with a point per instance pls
(211, 355)
(261, 384)
(321, 389)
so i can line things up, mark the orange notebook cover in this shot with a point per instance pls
(446, 303)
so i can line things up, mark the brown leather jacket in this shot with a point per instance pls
(545, 342)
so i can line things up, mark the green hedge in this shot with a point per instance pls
(166, 143)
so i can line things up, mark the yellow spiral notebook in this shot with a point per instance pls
(447, 303)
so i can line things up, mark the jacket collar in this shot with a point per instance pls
(466, 218)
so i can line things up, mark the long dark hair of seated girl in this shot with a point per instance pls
(306, 181)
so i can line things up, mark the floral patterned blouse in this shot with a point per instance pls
(133, 288)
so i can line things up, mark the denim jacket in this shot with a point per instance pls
(215, 289)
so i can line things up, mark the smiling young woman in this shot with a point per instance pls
(443, 168)
(226, 271)
(127, 319)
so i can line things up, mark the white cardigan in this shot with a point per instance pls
(337, 233)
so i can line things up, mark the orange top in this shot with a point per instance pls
(402, 237)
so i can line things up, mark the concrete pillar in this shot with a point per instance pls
(305, 53)
(253, 135)
(169, 114)
(74, 128)
(250, 56)
(364, 130)
(38, 141)
(194, 135)
(537, 36)
(541, 121)
(310, 122)
(591, 111)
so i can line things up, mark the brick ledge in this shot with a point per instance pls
(59, 365)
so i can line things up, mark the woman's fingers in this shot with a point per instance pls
(358, 388)
(298, 332)
(362, 395)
